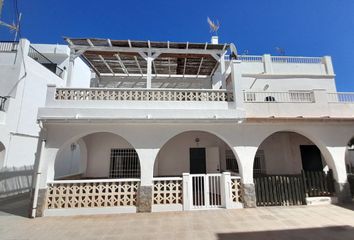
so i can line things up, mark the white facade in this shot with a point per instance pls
(255, 104)
(24, 83)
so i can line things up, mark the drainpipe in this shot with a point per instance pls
(37, 178)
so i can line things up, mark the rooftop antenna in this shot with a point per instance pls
(214, 26)
(280, 51)
(13, 26)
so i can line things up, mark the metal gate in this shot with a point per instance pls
(206, 191)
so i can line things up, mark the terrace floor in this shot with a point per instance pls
(305, 222)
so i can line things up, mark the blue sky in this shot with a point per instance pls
(301, 27)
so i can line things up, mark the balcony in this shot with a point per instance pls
(299, 104)
(139, 103)
(197, 104)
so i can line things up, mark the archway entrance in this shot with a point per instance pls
(290, 169)
(97, 155)
(204, 157)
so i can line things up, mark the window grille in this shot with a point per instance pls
(231, 163)
(259, 160)
(124, 164)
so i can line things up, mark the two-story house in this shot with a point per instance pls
(166, 126)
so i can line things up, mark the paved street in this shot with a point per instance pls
(305, 222)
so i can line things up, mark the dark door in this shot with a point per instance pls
(311, 158)
(197, 160)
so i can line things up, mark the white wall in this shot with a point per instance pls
(71, 160)
(282, 153)
(80, 76)
(99, 147)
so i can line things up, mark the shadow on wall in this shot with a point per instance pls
(335, 232)
(15, 180)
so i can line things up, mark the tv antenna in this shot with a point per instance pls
(214, 26)
(280, 51)
(13, 26)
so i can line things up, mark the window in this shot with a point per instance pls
(231, 163)
(124, 164)
(259, 160)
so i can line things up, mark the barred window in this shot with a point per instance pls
(124, 164)
(259, 160)
(231, 162)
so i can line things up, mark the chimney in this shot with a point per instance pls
(214, 40)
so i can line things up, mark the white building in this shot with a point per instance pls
(25, 71)
(179, 126)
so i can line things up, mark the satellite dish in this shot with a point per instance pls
(214, 26)
(233, 54)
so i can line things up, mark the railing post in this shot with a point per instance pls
(267, 61)
(51, 90)
(236, 77)
(320, 96)
(327, 60)
(226, 200)
(187, 191)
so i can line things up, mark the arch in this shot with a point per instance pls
(100, 155)
(309, 140)
(2, 154)
(173, 157)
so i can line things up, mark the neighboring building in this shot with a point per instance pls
(25, 71)
(179, 126)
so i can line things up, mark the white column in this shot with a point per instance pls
(222, 71)
(342, 187)
(187, 191)
(267, 61)
(226, 200)
(236, 77)
(147, 159)
(149, 60)
(327, 60)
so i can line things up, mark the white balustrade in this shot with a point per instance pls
(250, 58)
(167, 191)
(92, 193)
(8, 46)
(118, 94)
(236, 193)
(302, 60)
(341, 97)
(279, 97)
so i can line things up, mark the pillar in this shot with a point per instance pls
(246, 156)
(341, 184)
(236, 77)
(147, 158)
(226, 190)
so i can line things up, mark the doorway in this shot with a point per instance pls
(197, 160)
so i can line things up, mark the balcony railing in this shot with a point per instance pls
(117, 94)
(305, 60)
(279, 97)
(341, 97)
(39, 57)
(8, 46)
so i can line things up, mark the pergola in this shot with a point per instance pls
(147, 59)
